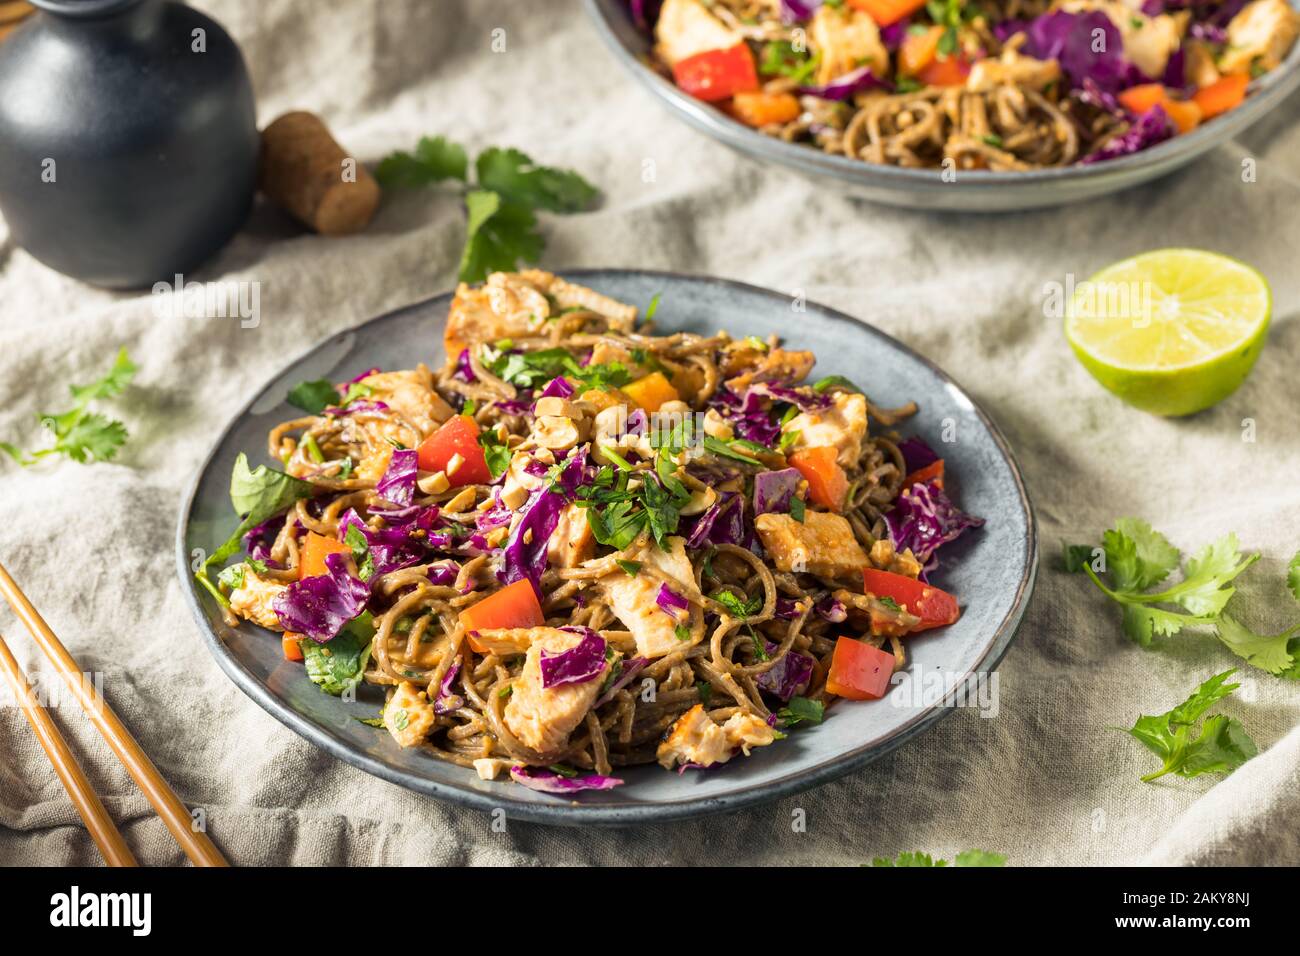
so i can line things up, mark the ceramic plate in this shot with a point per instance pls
(990, 569)
(973, 191)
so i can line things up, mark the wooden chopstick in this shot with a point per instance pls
(84, 798)
(157, 791)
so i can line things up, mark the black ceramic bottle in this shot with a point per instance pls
(128, 138)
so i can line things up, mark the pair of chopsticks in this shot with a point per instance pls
(174, 814)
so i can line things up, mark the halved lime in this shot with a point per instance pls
(1171, 331)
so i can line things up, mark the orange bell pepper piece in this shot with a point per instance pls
(764, 109)
(1222, 96)
(885, 12)
(827, 483)
(934, 607)
(311, 559)
(457, 436)
(515, 605)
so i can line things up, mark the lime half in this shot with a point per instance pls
(1171, 331)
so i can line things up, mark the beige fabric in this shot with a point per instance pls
(1043, 782)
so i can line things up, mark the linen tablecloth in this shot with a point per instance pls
(1044, 782)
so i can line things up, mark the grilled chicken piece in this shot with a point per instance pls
(822, 544)
(408, 714)
(846, 39)
(410, 394)
(696, 739)
(542, 718)
(1260, 35)
(517, 304)
(1012, 69)
(685, 28)
(572, 542)
(252, 602)
(843, 426)
(633, 598)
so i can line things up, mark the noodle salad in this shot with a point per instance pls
(1004, 85)
(582, 545)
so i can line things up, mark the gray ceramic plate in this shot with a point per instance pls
(991, 569)
(975, 191)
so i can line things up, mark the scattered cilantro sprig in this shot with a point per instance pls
(79, 433)
(500, 205)
(1220, 745)
(1134, 558)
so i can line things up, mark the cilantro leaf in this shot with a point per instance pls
(356, 540)
(434, 160)
(972, 858)
(1293, 576)
(1220, 746)
(79, 433)
(966, 858)
(313, 397)
(801, 709)
(337, 665)
(1138, 557)
(498, 234)
(495, 452)
(518, 179)
(1278, 654)
(1155, 556)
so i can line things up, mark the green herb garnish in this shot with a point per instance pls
(1221, 745)
(79, 433)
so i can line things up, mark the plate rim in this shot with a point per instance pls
(1157, 160)
(573, 813)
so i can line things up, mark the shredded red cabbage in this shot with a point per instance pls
(797, 11)
(623, 673)
(1068, 39)
(923, 519)
(398, 484)
(557, 387)
(722, 523)
(773, 490)
(841, 88)
(1150, 128)
(524, 555)
(916, 454)
(446, 701)
(579, 664)
(390, 548)
(359, 407)
(748, 416)
(464, 370)
(257, 542)
(804, 398)
(671, 603)
(319, 606)
(789, 676)
(831, 609)
(548, 781)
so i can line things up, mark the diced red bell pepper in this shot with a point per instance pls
(717, 74)
(859, 671)
(457, 436)
(934, 607)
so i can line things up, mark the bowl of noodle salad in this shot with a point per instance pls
(595, 558)
(978, 105)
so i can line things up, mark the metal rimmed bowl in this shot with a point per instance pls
(991, 570)
(968, 191)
